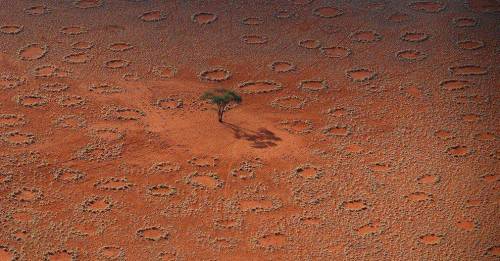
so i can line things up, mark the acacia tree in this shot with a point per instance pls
(222, 98)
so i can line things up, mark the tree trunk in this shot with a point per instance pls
(220, 113)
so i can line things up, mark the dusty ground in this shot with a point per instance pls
(369, 130)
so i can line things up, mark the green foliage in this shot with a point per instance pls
(221, 97)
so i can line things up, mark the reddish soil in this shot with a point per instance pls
(368, 130)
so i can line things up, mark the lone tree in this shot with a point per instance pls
(222, 98)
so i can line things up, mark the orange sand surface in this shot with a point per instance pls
(368, 130)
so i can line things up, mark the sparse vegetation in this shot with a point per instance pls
(222, 98)
(364, 133)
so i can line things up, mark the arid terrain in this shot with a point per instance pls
(369, 130)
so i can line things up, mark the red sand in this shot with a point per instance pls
(368, 130)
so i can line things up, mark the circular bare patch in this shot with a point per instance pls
(459, 151)
(85, 4)
(380, 167)
(470, 44)
(327, 12)
(414, 37)
(61, 255)
(44, 71)
(330, 28)
(452, 85)
(8, 254)
(427, 6)
(430, 239)
(27, 194)
(313, 85)
(215, 75)
(483, 6)
(365, 36)
(428, 179)
(468, 69)
(411, 55)
(131, 77)
(254, 39)
(153, 16)
(493, 251)
(252, 21)
(116, 64)
(31, 100)
(471, 117)
(271, 241)
(37, 10)
(336, 130)
(71, 101)
(82, 45)
(113, 183)
(463, 22)
(308, 171)
(354, 205)
(335, 51)
(260, 86)
(204, 161)
(485, 136)
(54, 87)
(398, 17)
(12, 120)
(168, 255)
(419, 197)
(106, 135)
(296, 126)
(120, 47)
(247, 169)
(77, 58)
(73, 30)
(11, 29)
(169, 103)
(258, 204)
(310, 44)
(8, 82)
(204, 18)
(122, 113)
(105, 88)
(370, 229)
(33, 51)
(164, 71)
(284, 14)
(68, 175)
(17, 138)
(70, 122)
(302, 2)
(161, 190)
(164, 167)
(282, 66)
(112, 253)
(97, 204)
(153, 233)
(360, 74)
(292, 102)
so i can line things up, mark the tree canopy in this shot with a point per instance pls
(221, 97)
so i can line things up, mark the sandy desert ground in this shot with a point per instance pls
(368, 130)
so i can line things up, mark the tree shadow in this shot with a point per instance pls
(262, 138)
